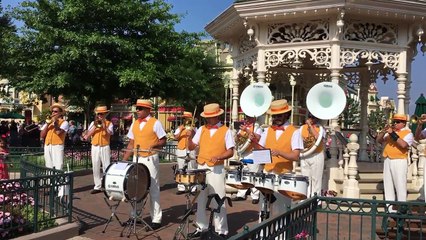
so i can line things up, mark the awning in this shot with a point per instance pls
(12, 115)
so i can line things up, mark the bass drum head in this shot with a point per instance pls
(137, 182)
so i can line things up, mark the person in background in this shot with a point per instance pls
(397, 141)
(250, 129)
(182, 150)
(54, 133)
(312, 166)
(100, 131)
(4, 151)
(419, 135)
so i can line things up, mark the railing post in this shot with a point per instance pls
(351, 190)
(36, 201)
(373, 218)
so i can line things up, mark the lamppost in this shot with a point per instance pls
(292, 81)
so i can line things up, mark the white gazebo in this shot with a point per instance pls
(348, 42)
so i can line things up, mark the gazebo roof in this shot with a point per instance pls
(232, 19)
(421, 100)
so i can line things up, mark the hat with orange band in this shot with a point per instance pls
(211, 110)
(279, 107)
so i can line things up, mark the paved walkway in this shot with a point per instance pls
(92, 211)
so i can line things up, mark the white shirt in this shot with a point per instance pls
(158, 128)
(296, 138)
(229, 140)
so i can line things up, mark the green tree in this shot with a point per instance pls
(99, 50)
(350, 117)
(7, 38)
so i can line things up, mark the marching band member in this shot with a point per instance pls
(182, 150)
(147, 133)
(100, 130)
(249, 130)
(216, 144)
(313, 166)
(395, 153)
(53, 132)
(285, 143)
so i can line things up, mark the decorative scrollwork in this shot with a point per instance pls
(246, 44)
(246, 61)
(352, 57)
(320, 57)
(357, 30)
(315, 30)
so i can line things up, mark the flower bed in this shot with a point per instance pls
(17, 212)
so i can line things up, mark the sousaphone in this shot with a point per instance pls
(325, 100)
(254, 101)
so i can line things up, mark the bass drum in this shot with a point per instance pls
(126, 181)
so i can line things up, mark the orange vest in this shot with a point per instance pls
(279, 164)
(101, 137)
(305, 134)
(211, 146)
(145, 138)
(183, 139)
(392, 150)
(52, 138)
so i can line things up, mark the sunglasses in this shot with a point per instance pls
(100, 113)
(396, 122)
(139, 108)
(55, 111)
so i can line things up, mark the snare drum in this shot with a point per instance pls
(190, 177)
(247, 179)
(264, 182)
(293, 186)
(126, 181)
(233, 179)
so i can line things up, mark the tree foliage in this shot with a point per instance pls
(350, 117)
(7, 37)
(99, 50)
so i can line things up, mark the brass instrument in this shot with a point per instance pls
(98, 124)
(31, 127)
(48, 119)
(310, 140)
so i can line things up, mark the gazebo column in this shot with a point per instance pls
(261, 69)
(364, 85)
(401, 80)
(235, 83)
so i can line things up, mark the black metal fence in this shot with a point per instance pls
(343, 218)
(34, 201)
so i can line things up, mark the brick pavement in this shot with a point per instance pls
(92, 211)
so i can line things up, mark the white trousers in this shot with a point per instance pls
(254, 192)
(215, 180)
(54, 156)
(100, 155)
(395, 179)
(152, 163)
(313, 168)
(192, 164)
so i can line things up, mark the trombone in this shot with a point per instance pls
(31, 127)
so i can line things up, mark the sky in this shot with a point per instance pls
(198, 13)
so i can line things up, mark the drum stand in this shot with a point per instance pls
(113, 209)
(130, 225)
(265, 212)
(183, 229)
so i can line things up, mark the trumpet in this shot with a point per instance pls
(98, 123)
(414, 119)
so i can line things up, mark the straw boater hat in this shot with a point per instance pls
(279, 107)
(144, 103)
(211, 110)
(57, 105)
(101, 109)
(187, 115)
(400, 117)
